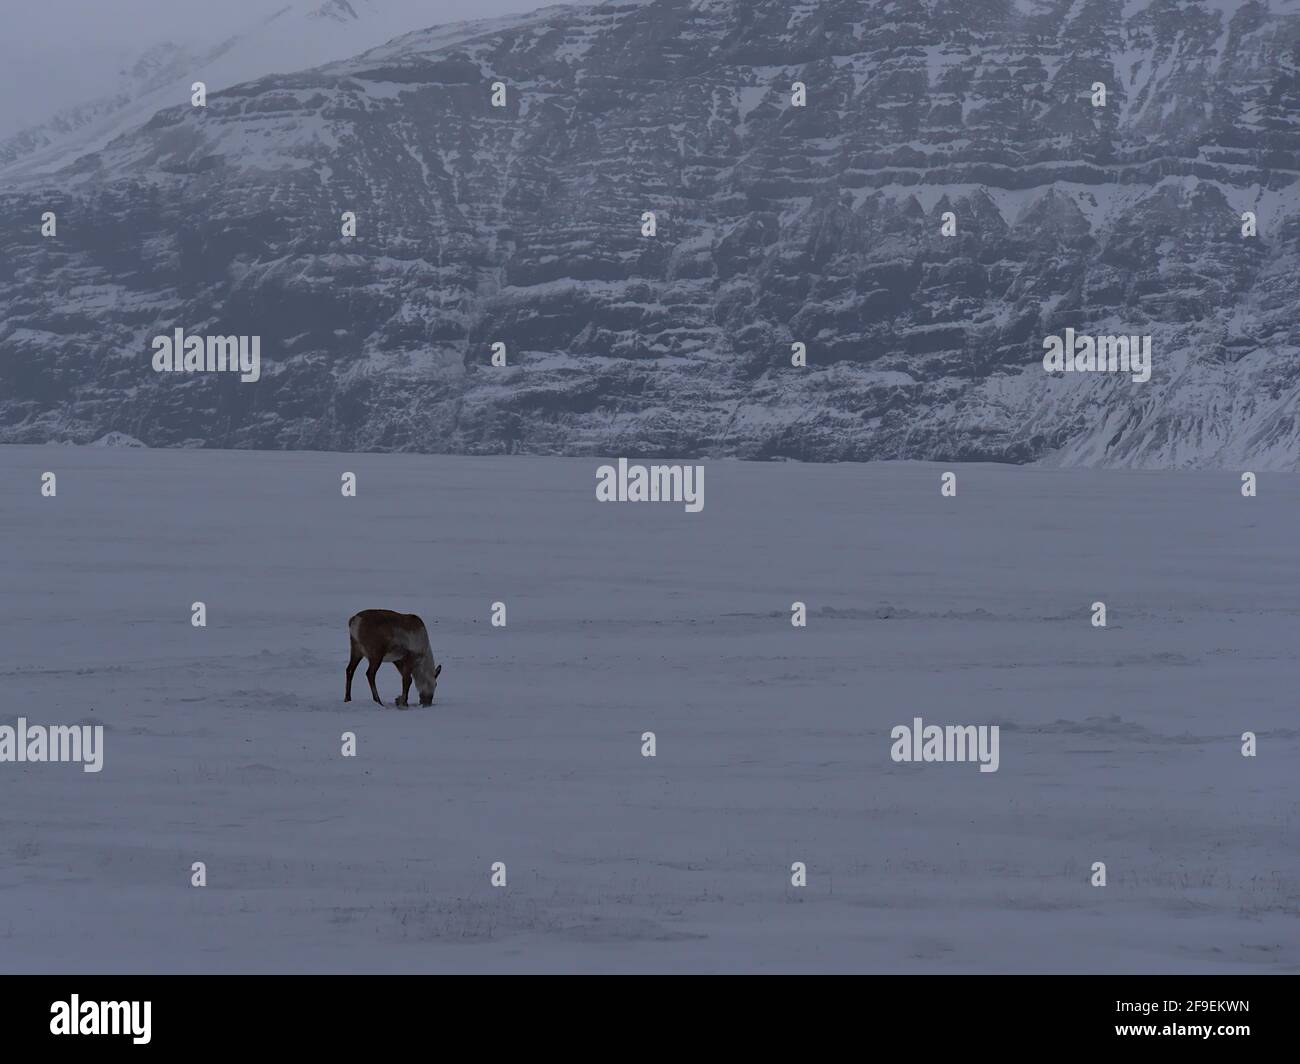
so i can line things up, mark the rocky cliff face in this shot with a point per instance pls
(776, 224)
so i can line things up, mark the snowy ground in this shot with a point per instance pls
(223, 744)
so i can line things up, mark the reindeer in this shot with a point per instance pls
(382, 635)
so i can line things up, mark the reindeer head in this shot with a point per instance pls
(426, 679)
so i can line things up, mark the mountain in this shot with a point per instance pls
(299, 34)
(776, 224)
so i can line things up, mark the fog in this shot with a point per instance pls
(60, 53)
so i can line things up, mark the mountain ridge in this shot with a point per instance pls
(777, 225)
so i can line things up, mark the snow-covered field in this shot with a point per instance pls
(223, 743)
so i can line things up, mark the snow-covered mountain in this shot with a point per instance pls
(297, 35)
(777, 225)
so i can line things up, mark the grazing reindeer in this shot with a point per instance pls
(382, 635)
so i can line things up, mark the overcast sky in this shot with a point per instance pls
(64, 24)
(53, 53)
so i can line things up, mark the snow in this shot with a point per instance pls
(749, 97)
(222, 743)
(291, 39)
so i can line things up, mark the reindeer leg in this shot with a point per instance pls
(370, 675)
(352, 667)
(407, 669)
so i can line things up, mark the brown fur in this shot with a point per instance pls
(382, 635)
